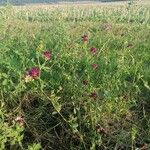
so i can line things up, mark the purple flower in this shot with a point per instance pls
(93, 95)
(85, 38)
(94, 66)
(93, 50)
(47, 55)
(34, 72)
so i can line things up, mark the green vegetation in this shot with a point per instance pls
(75, 77)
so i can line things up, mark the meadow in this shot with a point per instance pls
(75, 77)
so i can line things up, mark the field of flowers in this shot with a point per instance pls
(75, 77)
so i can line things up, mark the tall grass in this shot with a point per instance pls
(79, 99)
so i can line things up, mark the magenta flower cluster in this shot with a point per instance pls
(47, 55)
(93, 51)
(34, 72)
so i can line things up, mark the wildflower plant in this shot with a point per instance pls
(61, 88)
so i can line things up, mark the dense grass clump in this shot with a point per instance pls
(75, 77)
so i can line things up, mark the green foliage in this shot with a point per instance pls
(69, 104)
(34, 147)
(11, 135)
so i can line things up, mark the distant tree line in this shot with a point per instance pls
(21, 2)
